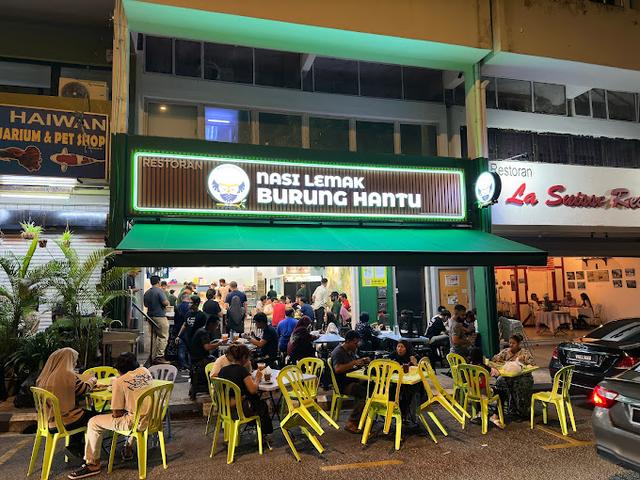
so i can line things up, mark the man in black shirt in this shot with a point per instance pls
(201, 348)
(156, 302)
(344, 360)
(268, 344)
(272, 294)
(211, 307)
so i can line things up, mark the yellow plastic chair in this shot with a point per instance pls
(337, 397)
(48, 407)
(379, 401)
(312, 366)
(151, 408)
(472, 375)
(301, 404)
(436, 394)
(231, 416)
(100, 373)
(459, 387)
(212, 409)
(558, 396)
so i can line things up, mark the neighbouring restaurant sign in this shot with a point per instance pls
(57, 143)
(551, 194)
(235, 187)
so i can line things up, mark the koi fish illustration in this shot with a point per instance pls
(29, 158)
(66, 159)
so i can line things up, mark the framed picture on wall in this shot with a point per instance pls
(571, 275)
(616, 273)
(581, 285)
(580, 276)
(617, 283)
(629, 272)
(571, 285)
(631, 284)
(597, 275)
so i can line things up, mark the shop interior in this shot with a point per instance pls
(609, 283)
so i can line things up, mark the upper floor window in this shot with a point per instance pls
(332, 75)
(158, 54)
(228, 63)
(514, 95)
(277, 69)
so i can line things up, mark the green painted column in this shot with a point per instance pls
(368, 297)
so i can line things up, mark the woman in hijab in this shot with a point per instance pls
(235, 315)
(301, 341)
(59, 377)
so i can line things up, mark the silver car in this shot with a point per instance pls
(616, 418)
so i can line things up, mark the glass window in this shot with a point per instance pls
(228, 63)
(550, 98)
(188, 58)
(587, 150)
(277, 69)
(598, 104)
(380, 80)
(227, 125)
(422, 84)
(622, 105)
(333, 75)
(514, 95)
(582, 105)
(459, 95)
(491, 92)
(158, 55)
(512, 143)
(280, 130)
(166, 120)
(374, 137)
(410, 139)
(328, 134)
(551, 148)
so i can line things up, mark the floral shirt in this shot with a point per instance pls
(523, 356)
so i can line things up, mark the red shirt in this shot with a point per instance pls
(346, 304)
(278, 313)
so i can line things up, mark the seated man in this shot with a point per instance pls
(203, 345)
(126, 389)
(344, 360)
(285, 329)
(268, 344)
(437, 335)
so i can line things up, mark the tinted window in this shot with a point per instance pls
(227, 125)
(622, 106)
(550, 98)
(374, 137)
(335, 76)
(157, 56)
(598, 104)
(422, 84)
(459, 95)
(328, 134)
(551, 148)
(380, 80)
(514, 95)
(582, 104)
(587, 151)
(612, 328)
(510, 143)
(491, 92)
(188, 58)
(228, 63)
(277, 69)
(280, 130)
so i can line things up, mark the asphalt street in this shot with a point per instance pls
(516, 452)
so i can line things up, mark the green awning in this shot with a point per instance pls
(178, 244)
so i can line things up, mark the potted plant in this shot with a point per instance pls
(30, 230)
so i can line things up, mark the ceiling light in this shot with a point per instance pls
(37, 181)
(41, 196)
(217, 120)
(163, 108)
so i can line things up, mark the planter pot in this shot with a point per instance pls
(28, 235)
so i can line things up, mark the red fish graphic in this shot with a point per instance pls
(30, 158)
(66, 159)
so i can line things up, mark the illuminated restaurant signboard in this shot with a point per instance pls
(246, 187)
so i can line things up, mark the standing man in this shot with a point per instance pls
(302, 291)
(171, 296)
(156, 302)
(234, 292)
(320, 300)
(272, 294)
(223, 290)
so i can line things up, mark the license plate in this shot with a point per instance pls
(635, 415)
(584, 358)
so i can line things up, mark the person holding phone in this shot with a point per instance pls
(268, 343)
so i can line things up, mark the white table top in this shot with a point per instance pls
(394, 336)
(329, 338)
(273, 386)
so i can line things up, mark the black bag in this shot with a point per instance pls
(24, 397)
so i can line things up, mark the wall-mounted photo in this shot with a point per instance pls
(597, 275)
(631, 284)
(571, 285)
(571, 275)
(629, 272)
(616, 273)
(617, 284)
(581, 285)
(580, 275)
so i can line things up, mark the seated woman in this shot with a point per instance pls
(518, 389)
(404, 355)
(237, 373)
(59, 377)
(301, 342)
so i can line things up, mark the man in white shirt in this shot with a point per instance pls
(126, 389)
(320, 299)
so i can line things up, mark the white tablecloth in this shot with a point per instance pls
(553, 320)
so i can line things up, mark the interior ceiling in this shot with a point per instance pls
(96, 13)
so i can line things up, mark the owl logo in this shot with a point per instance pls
(228, 184)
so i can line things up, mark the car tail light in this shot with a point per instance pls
(554, 354)
(627, 361)
(601, 397)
